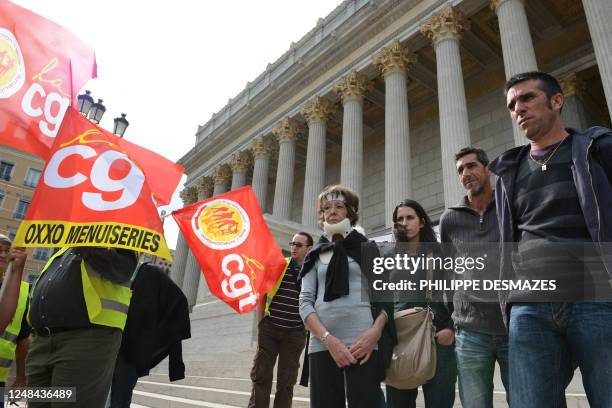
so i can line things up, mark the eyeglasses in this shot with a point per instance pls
(298, 245)
(329, 207)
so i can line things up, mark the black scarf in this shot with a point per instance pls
(337, 276)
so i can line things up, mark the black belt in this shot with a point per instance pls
(48, 331)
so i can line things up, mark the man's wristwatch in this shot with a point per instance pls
(324, 337)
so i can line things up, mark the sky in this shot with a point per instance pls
(171, 64)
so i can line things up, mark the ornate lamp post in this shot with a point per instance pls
(121, 124)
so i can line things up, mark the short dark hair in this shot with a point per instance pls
(548, 83)
(352, 200)
(481, 155)
(306, 235)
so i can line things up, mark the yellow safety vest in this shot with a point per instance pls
(8, 340)
(270, 295)
(107, 302)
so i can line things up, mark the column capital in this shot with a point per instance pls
(287, 130)
(355, 85)
(446, 23)
(395, 58)
(240, 161)
(205, 186)
(261, 147)
(572, 84)
(318, 109)
(222, 174)
(189, 195)
(496, 3)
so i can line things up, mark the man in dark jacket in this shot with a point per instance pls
(470, 229)
(158, 319)
(554, 200)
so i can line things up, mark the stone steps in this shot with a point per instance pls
(155, 391)
(207, 389)
(218, 360)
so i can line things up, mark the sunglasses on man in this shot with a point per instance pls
(298, 245)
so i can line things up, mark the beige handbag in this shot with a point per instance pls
(414, 357)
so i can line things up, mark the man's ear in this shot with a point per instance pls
(556, 102)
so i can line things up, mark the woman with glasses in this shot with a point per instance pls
(348, 334)
(414, 236)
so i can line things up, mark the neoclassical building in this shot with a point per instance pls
(380, 95)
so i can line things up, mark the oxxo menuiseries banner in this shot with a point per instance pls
(94, 191)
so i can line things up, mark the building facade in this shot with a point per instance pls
(19, 175)
(380, 95)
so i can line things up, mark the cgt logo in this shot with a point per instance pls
(238, 284)
(221, 224)
(127, 189)
(12, 68)
(46, 106)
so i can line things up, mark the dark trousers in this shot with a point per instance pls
(439, 392)
(82, 358)
(273, 342)
(125, 378)
(331, 387)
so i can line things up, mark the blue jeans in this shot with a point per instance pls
(476, 355)
(439, 392)
(125, 378)
(546, 343)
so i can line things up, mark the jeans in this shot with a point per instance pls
(546, 343)
(439, 392)
(125, 378)
(273, 342)
(476, 355)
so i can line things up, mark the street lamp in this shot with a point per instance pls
(121, 125)
(85, 101)
(96, 112)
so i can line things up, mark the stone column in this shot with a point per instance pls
(393, 62)
(193, 274)
(240, 163)
(444, 29)
(261, 148)
(599, 14)
(221, 176)
(205, 190)
(352, 88)
(189, 196)
(573, 113)
(316, 112)
(286, 131)
(517, 46)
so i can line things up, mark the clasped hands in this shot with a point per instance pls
(359, 352)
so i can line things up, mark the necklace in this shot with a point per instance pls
(543, 162)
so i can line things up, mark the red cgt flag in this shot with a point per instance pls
(234, 247)
(42, 68)
(94, 191)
